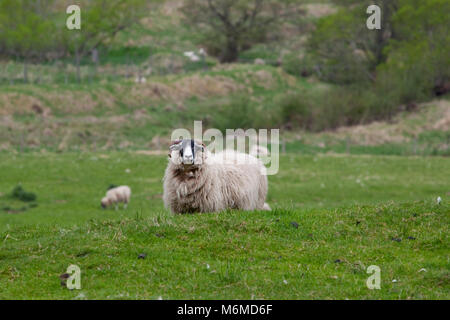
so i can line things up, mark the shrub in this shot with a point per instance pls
(239, 112)
(22, 195)
(329, 108)
(297, 65)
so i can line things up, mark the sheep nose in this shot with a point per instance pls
(188, 158)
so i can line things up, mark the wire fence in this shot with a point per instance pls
(16, 71)
(138, 69)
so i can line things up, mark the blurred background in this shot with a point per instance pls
(139, 69)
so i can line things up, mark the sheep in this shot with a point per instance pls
(197, 181)
(116, 195)
(192, 56)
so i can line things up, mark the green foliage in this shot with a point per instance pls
(400, 64)
(22, 195)
(25, 28)
(101, 21)
(37, 28)
(340, 45)
(299, 66)
(418, 58)
(348, 208)
(229, 27)
(329, 108)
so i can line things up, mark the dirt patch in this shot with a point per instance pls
(429, 116)
(178, 91)
(152, 152)
(18, 103)
(75, 102)
(318, 10)
(443, 121)
(42, 103)
(172, 7)
(206, 86)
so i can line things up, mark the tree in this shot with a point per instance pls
(101, 20)
(232, 26)
(419, 55)
(345, 50)
(24, 29)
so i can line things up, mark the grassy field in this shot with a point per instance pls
(343, 199)
(333, 217)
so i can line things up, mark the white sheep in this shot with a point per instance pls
(198, 181)
(116, 195)
(192, 56)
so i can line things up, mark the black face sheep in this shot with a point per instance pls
(116, 195)
(198, 181)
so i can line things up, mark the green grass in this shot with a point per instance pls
(348, 210)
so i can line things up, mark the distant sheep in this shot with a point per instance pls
(197, 181)
(115, 196)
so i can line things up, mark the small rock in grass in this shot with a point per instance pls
(439, 200)
(423, 270)
(81, 296)
(337, 261)
(394, 280)
(142, 256)
(294, 224)
(64, 278)
(396, 239)
(285, 282)
(411, 238)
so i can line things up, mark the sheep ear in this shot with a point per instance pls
(176, 145)
(200, 146)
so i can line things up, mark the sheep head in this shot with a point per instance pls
(105, 202)
(187, 152)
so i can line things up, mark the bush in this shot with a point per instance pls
(22, 195)
(297, 65)
(240, 112)
(341, 48)
(329, 108)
